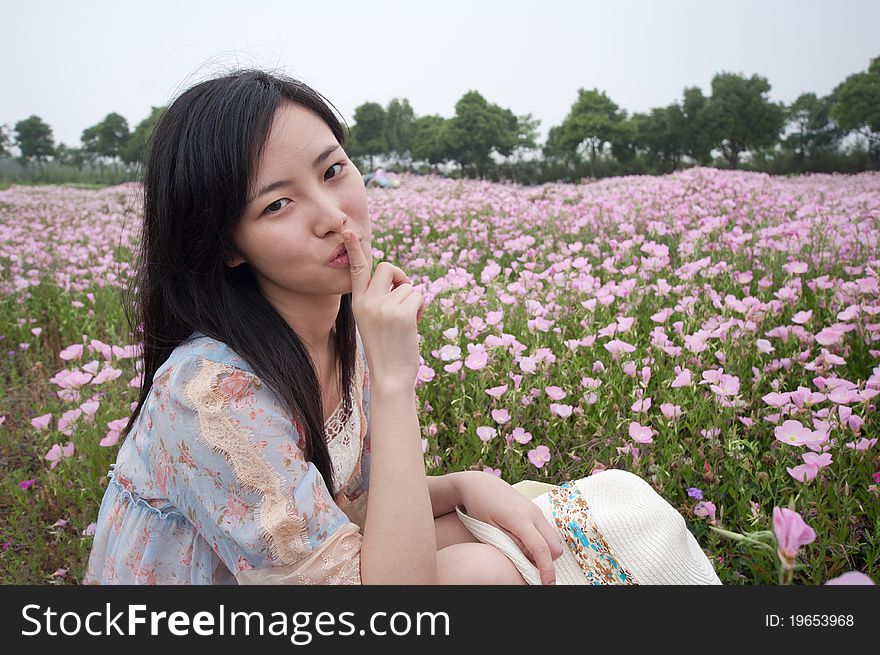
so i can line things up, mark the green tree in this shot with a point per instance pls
(67, 156)
(623, 141)
(429, 140)
(661, 135)
(593, 121)
(698, 136)
(478, 128)
(5, 141)
(33, 137)
(90, 147)
(368, 132)
(399, 118)
(107, 138)
(812, 129)
(135, 148)
(741, 116)
(555, 151)
(857, 106)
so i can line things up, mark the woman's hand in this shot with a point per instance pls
(386, 309)
(493, 501)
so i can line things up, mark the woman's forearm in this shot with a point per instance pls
(399, 545)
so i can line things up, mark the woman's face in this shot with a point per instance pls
(307, 192)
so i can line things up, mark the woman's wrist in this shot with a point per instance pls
(446, 491)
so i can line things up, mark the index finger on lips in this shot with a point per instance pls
(357, 264)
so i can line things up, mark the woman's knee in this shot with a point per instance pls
(475, 563)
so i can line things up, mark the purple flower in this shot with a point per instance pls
(26, 484)
(693, 492)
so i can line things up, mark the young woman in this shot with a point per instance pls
(276, 438)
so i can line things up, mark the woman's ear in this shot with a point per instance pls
(232, 259)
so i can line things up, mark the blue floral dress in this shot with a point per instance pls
(211, 485)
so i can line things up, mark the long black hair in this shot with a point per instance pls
(202, 160)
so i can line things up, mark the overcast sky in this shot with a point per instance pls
(73, 62)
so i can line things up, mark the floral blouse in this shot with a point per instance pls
(211, 485)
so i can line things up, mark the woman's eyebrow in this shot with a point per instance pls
(269, 188)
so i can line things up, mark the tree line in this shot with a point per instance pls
(736, 126)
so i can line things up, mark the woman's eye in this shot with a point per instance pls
(275, 206)
(341, 166)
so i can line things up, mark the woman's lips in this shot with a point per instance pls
(339, 250)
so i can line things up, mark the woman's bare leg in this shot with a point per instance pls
(450, 530)
(475, 563)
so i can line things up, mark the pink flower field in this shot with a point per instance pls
(715, 332)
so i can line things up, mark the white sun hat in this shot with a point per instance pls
(617, 530)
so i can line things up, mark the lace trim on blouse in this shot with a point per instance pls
(285, 531)
(337, 561)
(345, 434)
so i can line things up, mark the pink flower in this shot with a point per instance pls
(555, 393)
(90, 407)
(851, 578)
(521, 436)
(776, 399)
(820, 461)
(802, 317)
(477, 359)
(764, 346)
(791, 532)
(629, 449)
(110, 439)
(803, 472)
(863, 443)
(792, 432)
(728, 385)
(642, 405)
(486, 432)
(495, 472)
(501, 416)
(90, 530)
(42, 422)
(528, 365)
(72, 352)
(705, 508)
(60, 523)
(640, 433)
(615, 347)
(670, 411)
(539, 456)
(26, 484)
(56, 453)
(560, 410)
(453, 368)
(448, 352)
(495, 392)
(683, 379)
(425, 374)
